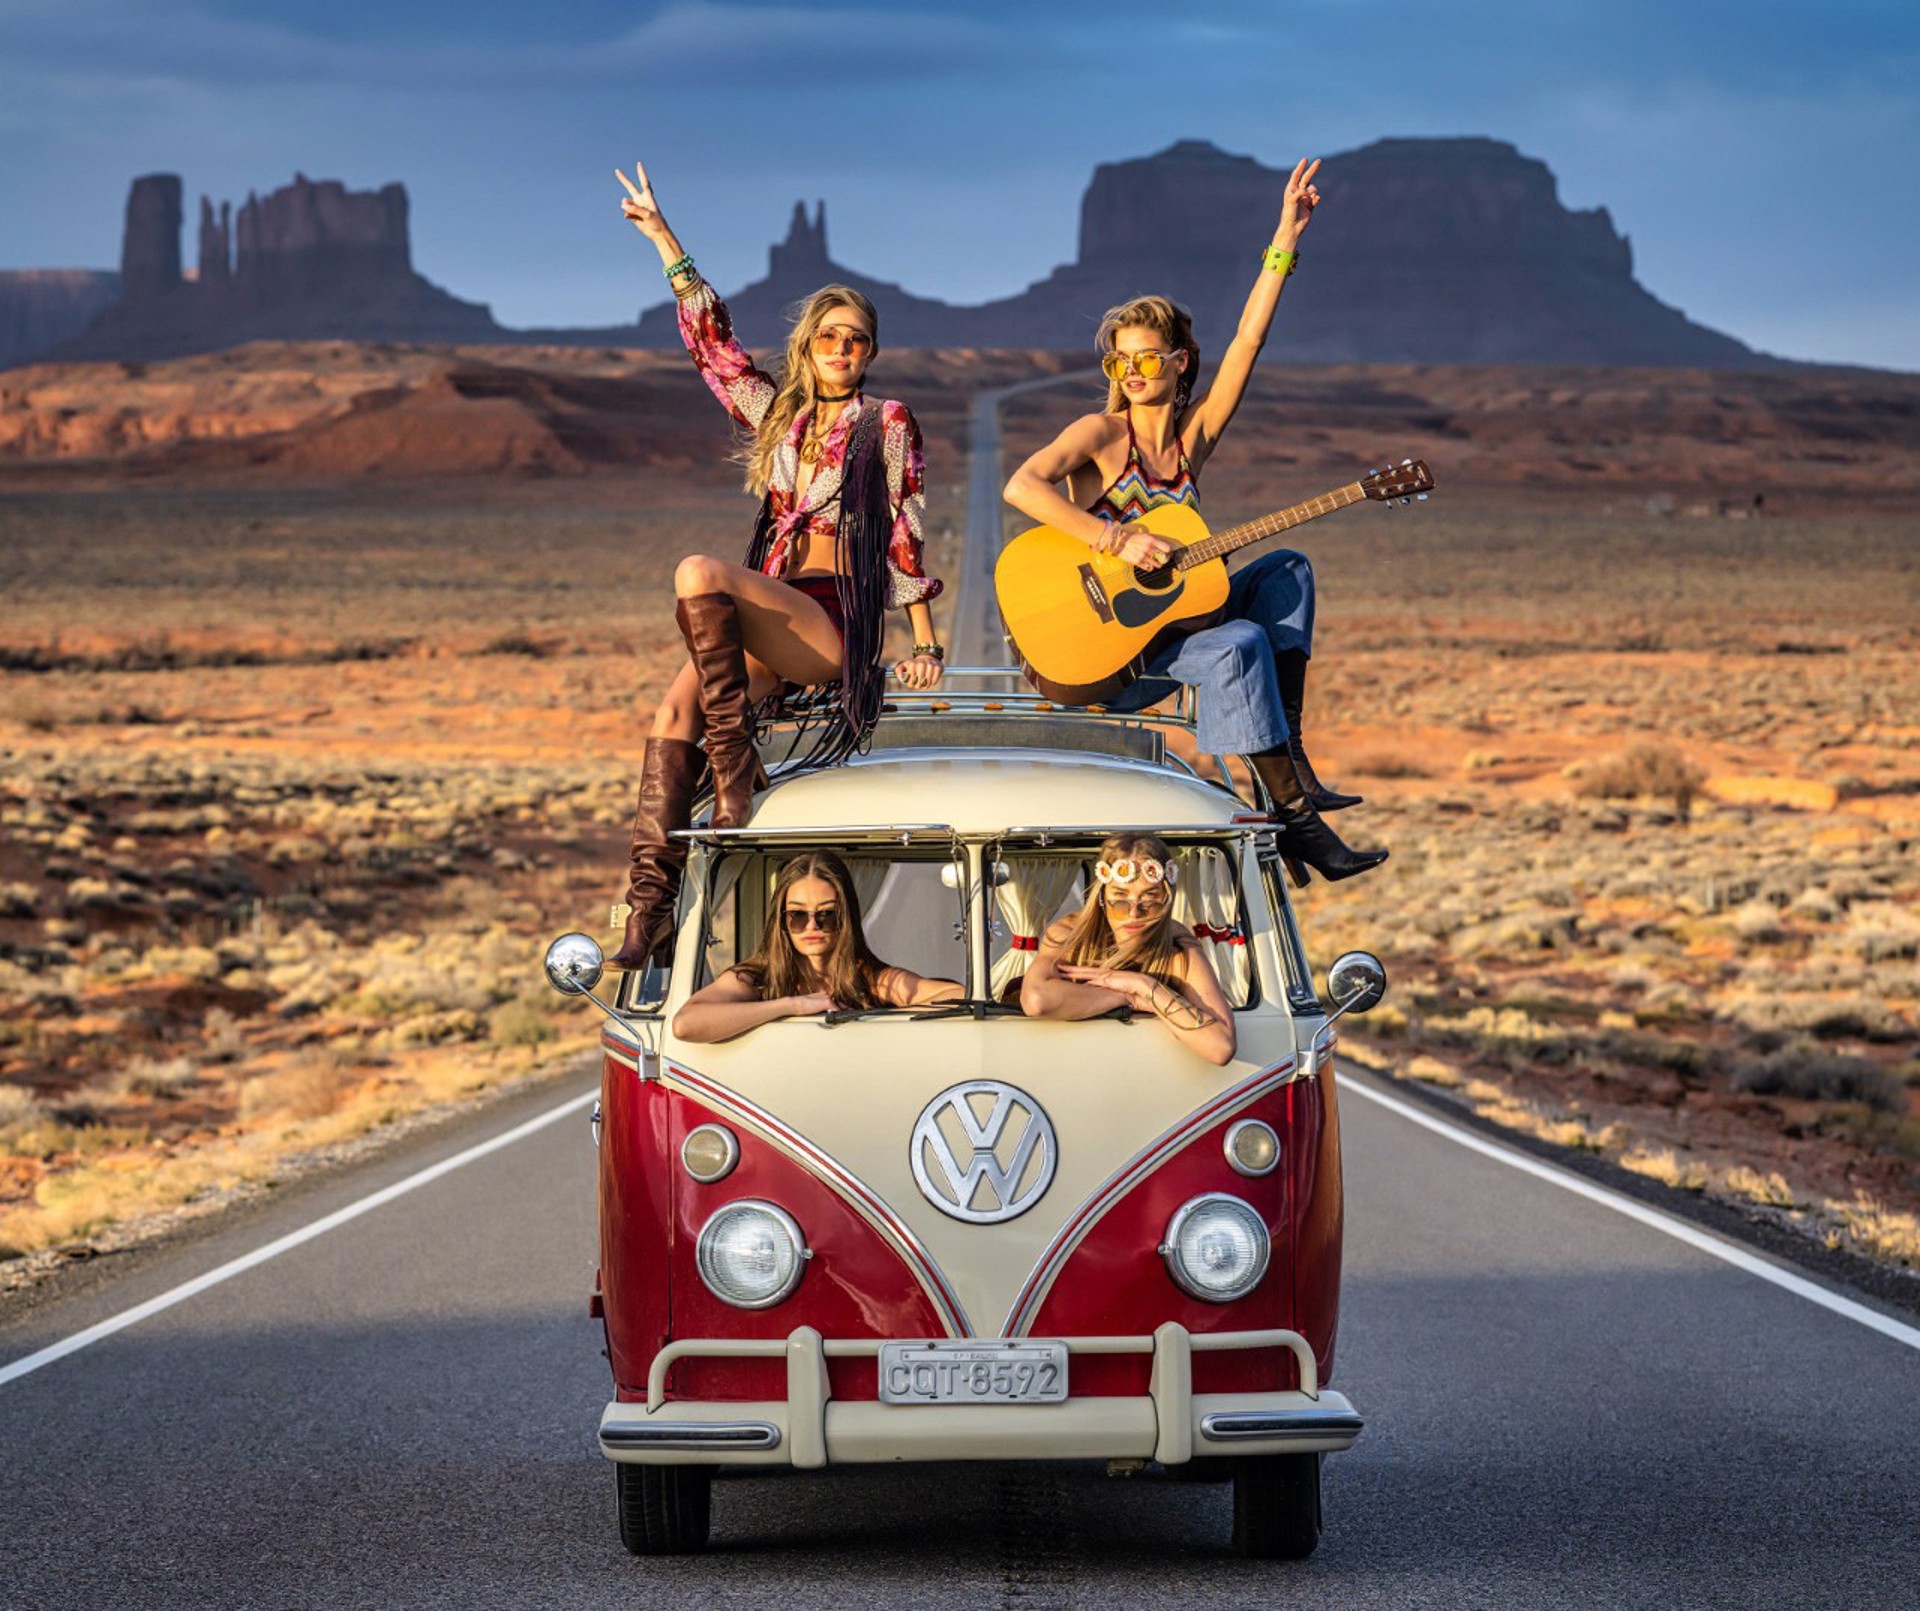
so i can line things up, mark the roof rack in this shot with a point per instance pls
(1012, 715)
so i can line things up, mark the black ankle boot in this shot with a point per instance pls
(1308, 841)
(1291, 669)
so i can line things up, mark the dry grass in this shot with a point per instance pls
(1645, 772)
(402, 758)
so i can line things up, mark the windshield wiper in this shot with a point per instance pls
(846, 1015)
(968, 1009)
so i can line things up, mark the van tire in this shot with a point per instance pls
(664, 1510)
(1276, 1506)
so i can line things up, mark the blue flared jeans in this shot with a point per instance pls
(1231, 665)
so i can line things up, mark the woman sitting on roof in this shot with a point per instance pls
(814, 958)
(1124, 949)
(1147, 448)
(837, 544)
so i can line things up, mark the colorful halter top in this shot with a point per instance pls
(1134, 492)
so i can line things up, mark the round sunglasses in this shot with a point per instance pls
(1147, 365)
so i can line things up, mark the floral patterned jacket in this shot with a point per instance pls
(746, 392)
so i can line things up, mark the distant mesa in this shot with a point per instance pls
(310, 261)
(1429, 251)
(40, 308)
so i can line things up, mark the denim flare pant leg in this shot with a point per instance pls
(1269, 612)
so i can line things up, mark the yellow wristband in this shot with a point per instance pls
(1281, 261)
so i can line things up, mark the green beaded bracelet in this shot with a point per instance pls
(673, 270)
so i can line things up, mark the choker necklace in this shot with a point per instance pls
(832, 397)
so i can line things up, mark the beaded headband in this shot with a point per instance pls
(1126, 870)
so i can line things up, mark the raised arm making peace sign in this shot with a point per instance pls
(838, 542)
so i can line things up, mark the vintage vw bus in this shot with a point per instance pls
(955, 1232)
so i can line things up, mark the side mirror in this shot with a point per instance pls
(575, 963)
(1355, 983)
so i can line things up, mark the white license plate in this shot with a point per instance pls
(968, 1372)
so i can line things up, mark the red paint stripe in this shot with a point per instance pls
(1046, 1270)
(849, 1186)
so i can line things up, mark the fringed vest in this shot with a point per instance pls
(865, 527)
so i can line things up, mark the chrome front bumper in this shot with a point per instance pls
(809, 1428)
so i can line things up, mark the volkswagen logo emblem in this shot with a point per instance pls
(984, 1152)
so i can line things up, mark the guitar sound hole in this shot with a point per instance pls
(1155, 581)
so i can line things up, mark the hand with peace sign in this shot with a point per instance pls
(1296, 211)
(641, 210)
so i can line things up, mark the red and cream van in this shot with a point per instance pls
(955, 1232)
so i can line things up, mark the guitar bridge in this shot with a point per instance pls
(1096, 594)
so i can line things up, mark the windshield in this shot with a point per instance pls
(912, 904)
(1035, 886)
(917, 905)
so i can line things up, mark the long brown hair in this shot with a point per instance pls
(849, 972)
(1090, 943)
(796, 379)
(1167, 320)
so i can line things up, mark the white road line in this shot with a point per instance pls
(1666, 1224)
(273, 1250)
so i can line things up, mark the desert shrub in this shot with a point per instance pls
(520, 1023)
(1388, 764)
(152, 1076)
(19, 1106)
(309, 1087)
(1815, 1075)
(1650, 771)
(18, 900)
(221, 1038)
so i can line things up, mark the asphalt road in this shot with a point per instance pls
(1564, 1409)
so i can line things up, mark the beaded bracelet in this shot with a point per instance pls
(1280, 260)
(932, 651)
(673, 270)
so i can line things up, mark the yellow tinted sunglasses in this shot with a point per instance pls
(1147, 365)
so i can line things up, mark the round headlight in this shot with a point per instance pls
(750, 1254)
(710, 1152)
(1217, 1248)
(1253, 1148)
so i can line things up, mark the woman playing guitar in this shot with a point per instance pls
(837, 543)
(1148, 449)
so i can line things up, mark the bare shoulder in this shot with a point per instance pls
(1057, 932)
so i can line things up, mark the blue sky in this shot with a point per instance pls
(1759, 156)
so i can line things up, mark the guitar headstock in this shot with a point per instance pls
(1410, 478)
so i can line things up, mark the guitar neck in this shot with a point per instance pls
(1222, 543)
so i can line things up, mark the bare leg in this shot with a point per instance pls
(786, 635)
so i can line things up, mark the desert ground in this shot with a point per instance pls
(326, 668)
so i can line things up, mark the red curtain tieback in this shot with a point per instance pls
(1025, 942)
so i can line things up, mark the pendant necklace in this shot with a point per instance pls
(810, 448)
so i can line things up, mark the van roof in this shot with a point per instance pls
(982, 790)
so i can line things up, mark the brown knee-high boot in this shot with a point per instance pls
(668, 772)
(711, 625)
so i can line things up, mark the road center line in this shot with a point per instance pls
(1714, 1246)
(273, 1250)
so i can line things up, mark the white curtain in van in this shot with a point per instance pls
(1028, 900)
(1205, 900)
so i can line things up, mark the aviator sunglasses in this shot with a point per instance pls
(1145, 905)
(833, 337)
(1147, 365)
(826, 920)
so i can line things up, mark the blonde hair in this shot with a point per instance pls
(1167, 320)
(1090, 942)
(796, 379)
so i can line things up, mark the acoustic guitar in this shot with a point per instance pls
(1084, 624)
